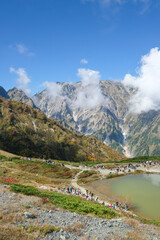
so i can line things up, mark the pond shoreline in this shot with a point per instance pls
(120, 190)
(109, 200)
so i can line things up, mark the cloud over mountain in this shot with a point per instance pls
(23, 80)
(147, 83)
(54, 89)
(89, 96)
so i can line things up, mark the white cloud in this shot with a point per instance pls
(144, 4)
(54, 89)
(22, 49)
(89, 95)
(23, 80)
(83, 61)
(111, 1)
(106, 2)
(147, 84)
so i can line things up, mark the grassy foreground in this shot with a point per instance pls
(41, 168)
(71, 203)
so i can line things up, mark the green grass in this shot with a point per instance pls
(71, 203)
(45, 229)
(115, 175)
(3, 157)
(41, 168)
(147, 221)
(27, 206)
(88, 176)
(141, 158)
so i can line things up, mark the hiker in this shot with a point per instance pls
(126, 207)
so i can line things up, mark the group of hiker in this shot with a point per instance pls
(46, 161)
(150, 163)
(131, 166)
(26, 158)
(90, 196)
(125, 168)
(77, 192)
(100, 166)
(54, 163)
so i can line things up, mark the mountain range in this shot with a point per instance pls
(109, 120)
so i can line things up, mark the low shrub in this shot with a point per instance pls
(71, 203)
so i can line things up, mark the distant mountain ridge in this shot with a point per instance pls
(18, 95)
(3, 93)
(130, 134)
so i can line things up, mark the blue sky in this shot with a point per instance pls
(47, 39)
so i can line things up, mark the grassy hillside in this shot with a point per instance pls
(28, 132)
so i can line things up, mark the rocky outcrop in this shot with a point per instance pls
(16, 94)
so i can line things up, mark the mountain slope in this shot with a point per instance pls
(110, 122)
(16, 94)
(26, 131)
(102, 122)
(143, 136)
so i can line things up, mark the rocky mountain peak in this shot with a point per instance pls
(18, 95)
(3, 92)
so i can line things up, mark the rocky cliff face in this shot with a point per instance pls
(111, 122)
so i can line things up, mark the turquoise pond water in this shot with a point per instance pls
(142, 191)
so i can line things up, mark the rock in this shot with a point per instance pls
(14, 194)
(42, 221)
(62, 237)
(110, 225)
(29, 215)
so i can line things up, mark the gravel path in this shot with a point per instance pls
(75, 184)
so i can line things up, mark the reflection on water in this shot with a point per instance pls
(142, 191)
(153, 178)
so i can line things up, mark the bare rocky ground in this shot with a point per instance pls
(28, 217)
